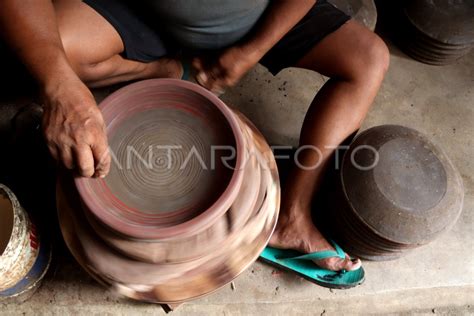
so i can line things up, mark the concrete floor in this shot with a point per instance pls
(436, 279)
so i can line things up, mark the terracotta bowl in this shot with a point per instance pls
(167, 138)
(399, 191)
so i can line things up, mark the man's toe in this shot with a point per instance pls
(351, 264)
(338, 264)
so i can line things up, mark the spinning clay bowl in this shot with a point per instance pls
(162, 182)
(399, 191)
(191, 199)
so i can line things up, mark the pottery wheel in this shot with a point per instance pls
(191, 200)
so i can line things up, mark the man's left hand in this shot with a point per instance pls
(224, 71)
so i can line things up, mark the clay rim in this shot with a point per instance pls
(201, 221)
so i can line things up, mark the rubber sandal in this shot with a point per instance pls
(303, 265)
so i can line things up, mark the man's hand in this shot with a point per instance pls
(73, 125)
(235, 62)
(74, 129)
(225, 70)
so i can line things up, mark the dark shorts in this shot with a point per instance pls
(144, 42)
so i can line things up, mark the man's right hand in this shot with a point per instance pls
(72, 123)
(74, 128)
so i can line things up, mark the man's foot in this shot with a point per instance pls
(298, 232)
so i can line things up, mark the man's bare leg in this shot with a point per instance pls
(356, 61)
(93, 48)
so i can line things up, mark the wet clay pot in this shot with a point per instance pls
(191, 199)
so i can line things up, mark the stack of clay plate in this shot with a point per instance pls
(190, 202)
(397, 191)
(437, 32)
(24, 259)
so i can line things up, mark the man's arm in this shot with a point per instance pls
(72, 123)
(279, 19)
(30, 28)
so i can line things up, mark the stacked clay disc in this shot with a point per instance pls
(437, 32)
(397, 191)
(363, 11)
(191, 199)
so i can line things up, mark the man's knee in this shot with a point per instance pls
(375, 58)
(79, 61)
(87, 38)
(89, 72)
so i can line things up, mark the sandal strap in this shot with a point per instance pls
(320, 255)
(340, 252)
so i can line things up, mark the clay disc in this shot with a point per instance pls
(450, 22)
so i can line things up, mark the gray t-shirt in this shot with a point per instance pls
(207, 24)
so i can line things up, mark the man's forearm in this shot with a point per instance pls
(30, 28)
(280, 18)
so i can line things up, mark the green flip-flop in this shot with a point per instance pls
(303, 265)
